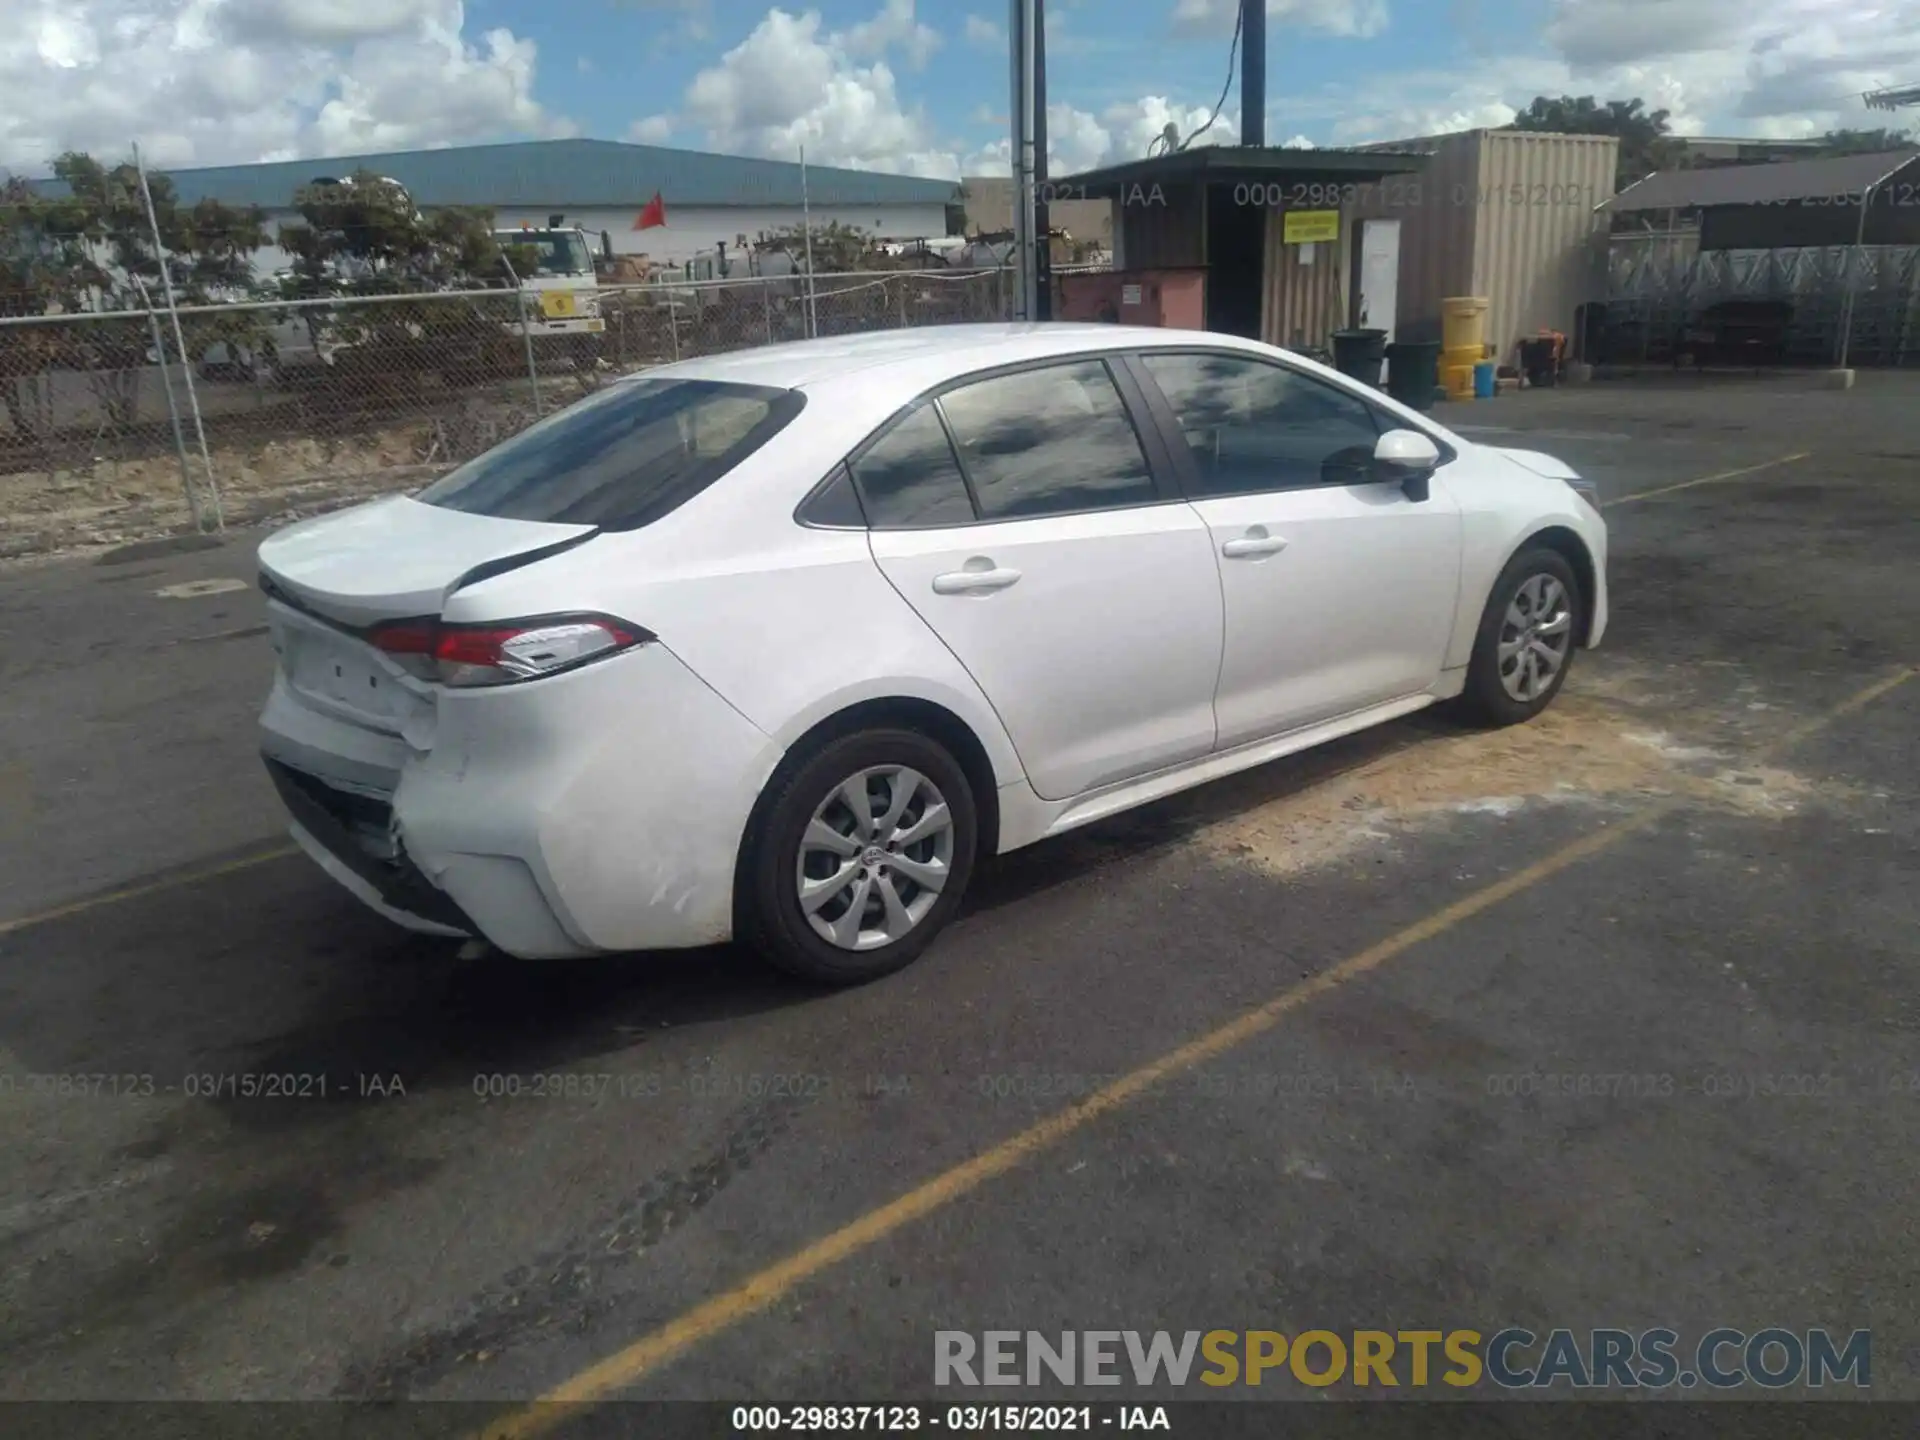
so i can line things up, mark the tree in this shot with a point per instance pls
(1864, 142)
(88, 245)
(1646, 144)
(41, 271)
(363, 236)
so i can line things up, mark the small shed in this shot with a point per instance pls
(1225, 209)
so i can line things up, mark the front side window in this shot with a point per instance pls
(622, 458)
(1048, 441)
(1252, 426)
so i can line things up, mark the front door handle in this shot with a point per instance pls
(1254, 545)
(974, 582)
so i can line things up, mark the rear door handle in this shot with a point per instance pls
(973, 582)
(1253, 545)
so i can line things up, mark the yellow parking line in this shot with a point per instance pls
(760, 1291)
(1706, 480)
(152, 887)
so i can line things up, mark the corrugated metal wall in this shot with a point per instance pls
(1302, 305)
(1506, 214)
(1540, 251)
(1437, 232)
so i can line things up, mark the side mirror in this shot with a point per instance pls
(1407, 458)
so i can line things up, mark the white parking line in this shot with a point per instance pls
(194, 589)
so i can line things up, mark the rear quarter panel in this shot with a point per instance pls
(787, 623)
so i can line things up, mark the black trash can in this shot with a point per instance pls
(1536, 358)
(1358, 354)
(1415, 375)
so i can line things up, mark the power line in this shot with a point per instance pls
(1170, 138)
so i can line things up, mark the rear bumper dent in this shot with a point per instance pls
(364, 891)
(394, 886)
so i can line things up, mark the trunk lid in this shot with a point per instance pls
(332, 577)
(398, 559)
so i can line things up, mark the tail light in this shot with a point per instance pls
(504, 652)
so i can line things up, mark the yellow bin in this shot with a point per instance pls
(1468, 355)
(1458, 380)
(1463, 323)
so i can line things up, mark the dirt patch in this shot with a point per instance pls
(1587, 750)
(113, 500)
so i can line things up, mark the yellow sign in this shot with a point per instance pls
(1311, 227)
(556, 304)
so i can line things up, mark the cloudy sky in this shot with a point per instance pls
(910, 85)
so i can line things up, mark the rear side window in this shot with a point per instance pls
(909, 479)
(1051, 441)
(622, 458)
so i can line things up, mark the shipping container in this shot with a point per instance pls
(1506, 214)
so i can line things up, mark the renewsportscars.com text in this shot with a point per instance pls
(1513, 1358)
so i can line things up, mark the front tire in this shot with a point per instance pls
(1526, 642)
(859, 857)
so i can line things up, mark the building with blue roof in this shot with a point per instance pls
(603, 186)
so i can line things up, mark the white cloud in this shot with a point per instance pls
(212, 81)
(653, 130)
(1772, 67)
(1358, 18)
(1078, 140)
(324, 22)
(894, 27)
(792, 82)
(985, 33)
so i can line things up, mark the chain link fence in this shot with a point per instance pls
(1658, 293)
(111, 428)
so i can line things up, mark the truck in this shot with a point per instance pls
(562, 289)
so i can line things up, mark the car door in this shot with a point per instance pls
(1020, 515)
(1339, 587)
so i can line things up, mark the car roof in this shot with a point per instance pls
(930, 354)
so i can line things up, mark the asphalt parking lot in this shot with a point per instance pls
(1609, 1021)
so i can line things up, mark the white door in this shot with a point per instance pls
(1083, 601)
(1379, 275)
(1339, 589)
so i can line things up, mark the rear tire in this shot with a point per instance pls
(841, 892)
(1526, 642)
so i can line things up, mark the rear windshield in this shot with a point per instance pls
(622, 458)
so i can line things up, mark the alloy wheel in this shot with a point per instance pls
(874, 857)
(1536, 635)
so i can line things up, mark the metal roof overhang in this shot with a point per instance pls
(1237, 165)
(1801, 204)
(1828, 182)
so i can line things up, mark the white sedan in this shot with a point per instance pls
(775, 645)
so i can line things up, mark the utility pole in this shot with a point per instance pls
(1020, 34)
(1253, 72)
(1895, 99)
(1042, 210)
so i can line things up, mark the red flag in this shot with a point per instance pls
(654, 214)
